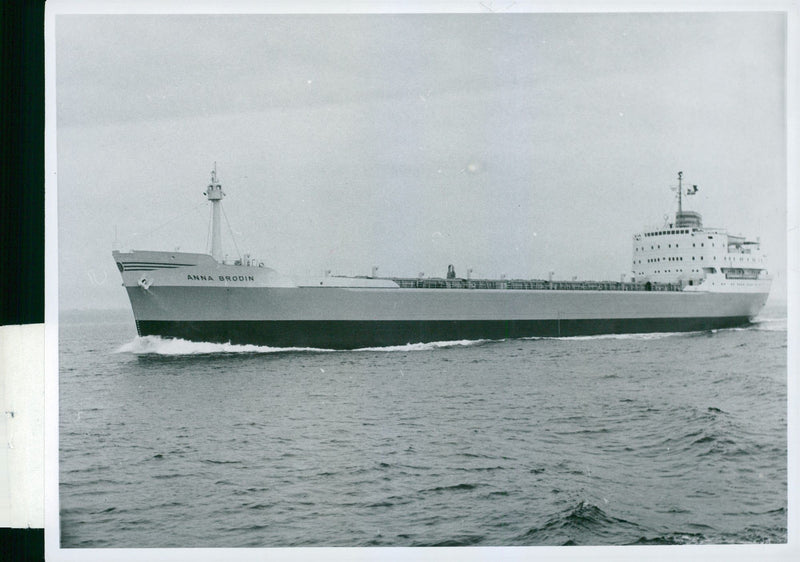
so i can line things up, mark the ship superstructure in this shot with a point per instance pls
(683, 252)
(685, 277)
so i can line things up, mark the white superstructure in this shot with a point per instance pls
(699, 259)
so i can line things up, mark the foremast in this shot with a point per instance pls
(215, 194)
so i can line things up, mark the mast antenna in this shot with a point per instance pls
(215, 194)
(680, 189)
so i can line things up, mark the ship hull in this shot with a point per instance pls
(204, 297)
(353, 334)
(347, 318)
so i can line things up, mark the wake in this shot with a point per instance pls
(156, 345)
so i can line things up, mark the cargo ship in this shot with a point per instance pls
(684, 277)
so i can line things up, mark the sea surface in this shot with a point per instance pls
(608, 440)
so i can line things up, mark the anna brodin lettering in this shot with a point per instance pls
(191, 277)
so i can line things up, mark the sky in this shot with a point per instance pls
(513, 144)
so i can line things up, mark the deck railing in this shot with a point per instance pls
(530, 285)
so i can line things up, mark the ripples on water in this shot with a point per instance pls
(633, 439)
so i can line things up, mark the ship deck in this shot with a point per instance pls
(530, 284)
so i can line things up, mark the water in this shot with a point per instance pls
(610, 440)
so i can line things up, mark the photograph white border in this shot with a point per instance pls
(53, 551)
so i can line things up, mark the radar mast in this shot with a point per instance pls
(215, 194)
(686, 219)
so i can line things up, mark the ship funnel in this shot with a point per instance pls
(215, 194)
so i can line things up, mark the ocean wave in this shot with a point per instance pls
(757, 326)
(770, 324)
(673, 539)
(463, 539)
(156, 345)
(452, 488)
(749, 535)
(425, 346)
(583, 523)
(638, 336)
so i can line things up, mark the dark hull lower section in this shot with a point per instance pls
(352, 334)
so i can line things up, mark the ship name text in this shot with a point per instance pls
(223, 278)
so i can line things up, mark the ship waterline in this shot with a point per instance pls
(356, 334)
